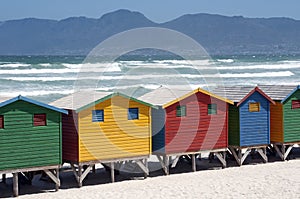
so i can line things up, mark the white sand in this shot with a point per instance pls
(278, 179)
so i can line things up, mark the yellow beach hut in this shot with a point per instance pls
(104, 127)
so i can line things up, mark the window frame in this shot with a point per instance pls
(95, 113)
(129, 116)
(252, 103)
(211, 108)
(295, 107)
(181, 108)
(40, 114)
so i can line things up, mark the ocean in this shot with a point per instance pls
(47, 78)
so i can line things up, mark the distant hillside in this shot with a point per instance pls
(218, 34)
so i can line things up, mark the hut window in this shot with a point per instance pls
(98, 115)
(180, 111)
(39, 119)
(133, 114)
(295, 104)
(1, 122)
(212, 109)
(254, 107)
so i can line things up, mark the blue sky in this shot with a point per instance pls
(156, 10)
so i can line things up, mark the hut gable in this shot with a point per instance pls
(28, 140)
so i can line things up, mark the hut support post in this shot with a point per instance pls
(4, 178)
(57, 176)
(112, 171)
(164, 162)
(237, 154)
(283, 153)
(194, 163)
(143, 164)
(222, 158)
(85, 173)
(78, 176)
(94, 169)
(239, 157)
(15, 185)
(54, 176)
(263, 153)
(175, 161)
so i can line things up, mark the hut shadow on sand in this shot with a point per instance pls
(102, 176)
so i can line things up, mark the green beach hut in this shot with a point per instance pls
(30, 138)
(284, 118)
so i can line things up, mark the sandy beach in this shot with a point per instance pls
(280, 179)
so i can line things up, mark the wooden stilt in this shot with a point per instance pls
(53, 176)
(262, 152)
(279, 152)
(143, 166)
(112, 171)
(166, 164)
(175, 161)
(146, 165)
(57, 185)
(79, 176)
(284, 150)
(245, 155)
(290, 147)
(194, 162)
(15, 185)
(221, 158)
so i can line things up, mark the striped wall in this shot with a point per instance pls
(23, 145)
(116, 136)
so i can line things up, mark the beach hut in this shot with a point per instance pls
(30, 138)
(187, 122)
(285, 117)
(249, 121)
(107, 128)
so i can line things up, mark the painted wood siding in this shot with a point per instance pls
(23, 145)
(291, 120)
(197, 130)
(70, 142)
(254, 126)
(233, 126)
(276, 122)
(158, 130)
(116, 136)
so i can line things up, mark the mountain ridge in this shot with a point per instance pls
(218, 34)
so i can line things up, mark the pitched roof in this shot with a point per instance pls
(4, 98)
(165, 97)
(84, 99)
(234, 93)
(279, 92)
(256, 89)
(239, 94)
(5, 101)
(290, 94)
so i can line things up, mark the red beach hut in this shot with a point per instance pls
(187, 123)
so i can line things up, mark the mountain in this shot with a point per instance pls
(218, 34)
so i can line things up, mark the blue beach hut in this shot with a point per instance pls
(248, 121)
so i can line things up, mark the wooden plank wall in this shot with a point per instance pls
(116, 136)
(23, 145)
